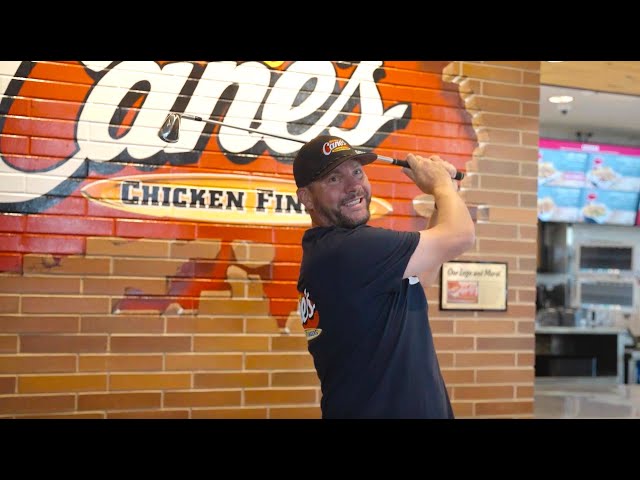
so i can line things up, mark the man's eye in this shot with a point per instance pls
(333, 179)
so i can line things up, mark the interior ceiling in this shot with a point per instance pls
(612, 77)
(606, 99)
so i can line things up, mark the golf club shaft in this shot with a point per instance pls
(393, 161)
(246, 129)
(403, 163)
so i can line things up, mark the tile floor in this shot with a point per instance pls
(585, 398)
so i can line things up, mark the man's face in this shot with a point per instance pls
(342, 197)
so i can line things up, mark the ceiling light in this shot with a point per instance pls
(556, 61)
(561, 99)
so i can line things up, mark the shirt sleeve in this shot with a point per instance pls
(376, 258)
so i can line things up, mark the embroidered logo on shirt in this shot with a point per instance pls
(309, 316)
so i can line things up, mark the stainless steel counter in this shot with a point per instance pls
(582, 330)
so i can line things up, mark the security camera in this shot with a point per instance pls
(564, 108)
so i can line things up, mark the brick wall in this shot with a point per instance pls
(107, 312)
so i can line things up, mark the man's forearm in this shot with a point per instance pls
(428, 277)
(453, 220)
(433, 219)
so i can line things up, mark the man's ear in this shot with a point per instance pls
(304, 195)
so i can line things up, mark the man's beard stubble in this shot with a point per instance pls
(340, 220)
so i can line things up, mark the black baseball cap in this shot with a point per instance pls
(321, 155)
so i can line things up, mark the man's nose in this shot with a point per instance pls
(352, 183)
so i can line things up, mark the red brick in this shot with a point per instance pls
(120, 247)
(39, 284)
(149, 381)
(37, 363)
(10, 263)
(149, 229)
(55, 244)
(119, 401)
(7, 385)
(122, 324)
(71, 265)
(202, 399)
(230, 413)
(506, 343)
(140, 344)
(38, 324)
(63, 343)
(488, 72)
(203, 324)
(65, 304)
(59, 224)
(295, 412)
(119, 363)
(62, 383)
(152, 414)
(504, 408)
(230, 380)
(36, 403)
(10, 222)
(276, 396)
(200, 361)
(8, 343)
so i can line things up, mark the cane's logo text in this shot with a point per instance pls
(334, 146)
(124, 104)
(309, 316)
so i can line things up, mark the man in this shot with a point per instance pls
(362, 302)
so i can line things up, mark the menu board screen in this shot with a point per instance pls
(614, 172)
(608, 207)
(588, 183)
(558, 168)
(559, 204)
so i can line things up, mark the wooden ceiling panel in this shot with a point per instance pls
(613, 77)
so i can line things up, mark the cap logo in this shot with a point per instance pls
(334, 146)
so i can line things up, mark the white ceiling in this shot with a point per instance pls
(609, 117)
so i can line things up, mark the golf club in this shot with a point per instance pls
(170, 132)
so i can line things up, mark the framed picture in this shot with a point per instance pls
(473, 286)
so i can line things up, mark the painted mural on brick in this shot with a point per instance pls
(81, 160)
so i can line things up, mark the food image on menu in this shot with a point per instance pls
(545, 208)
(462, 291)
(595, 212)
(602, 176)
(545, 170)
(608, 207)
(609, 171)
(561, 168)
(605, 174)
(558, 204)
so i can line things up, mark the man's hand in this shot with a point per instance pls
(451, 231)
(430, 173)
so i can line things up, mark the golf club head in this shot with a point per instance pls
(170, 129)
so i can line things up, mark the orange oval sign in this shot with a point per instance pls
(217, 198)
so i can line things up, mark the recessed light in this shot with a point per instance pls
(561, 99)
(556, 61)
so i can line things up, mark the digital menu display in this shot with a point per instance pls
(588, 183)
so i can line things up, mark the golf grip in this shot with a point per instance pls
(404, 163)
